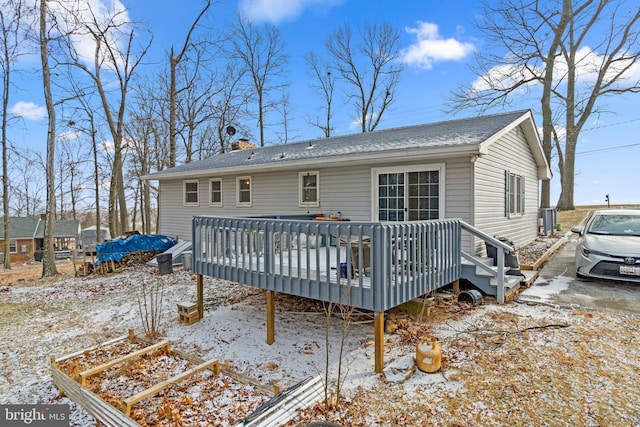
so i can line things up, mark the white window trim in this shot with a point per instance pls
(412, 168)
(211, 202)
(301, 203)
(244, 204)
(184, 192)
(15, 243)
(519, 210)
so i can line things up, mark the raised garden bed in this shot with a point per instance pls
(533, 255)
(129, 382)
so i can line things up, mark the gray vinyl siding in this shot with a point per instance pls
(344, 190)
(510, 153)
(340, 190)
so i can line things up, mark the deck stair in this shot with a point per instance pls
(486, 281)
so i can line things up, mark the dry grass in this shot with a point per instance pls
(508, 367)
(575, 217)
(32, 272)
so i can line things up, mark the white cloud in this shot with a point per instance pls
(276, 11)
(28, 110)
(357, 123)
(588, 63)
(430, 47)
(69, 136)
(107, 145)
(502, 77)
(92, 13)
(561, 132)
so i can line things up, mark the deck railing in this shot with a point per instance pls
(374, 266)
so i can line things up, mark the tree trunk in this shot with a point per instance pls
(113, 214)
(147, 207)
(134, 211)
(48, 259)
(173, 63)
(261, 116)
(96, 181)
(122, 200)
(5, 179)
(567, 178)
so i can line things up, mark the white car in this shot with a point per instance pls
(609, 245)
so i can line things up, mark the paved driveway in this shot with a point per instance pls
(557, 284)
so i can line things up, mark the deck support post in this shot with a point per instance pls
(271, 314)
(200, 291)
(379, 341)
(456, 287)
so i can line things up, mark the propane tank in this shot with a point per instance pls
(428, 355)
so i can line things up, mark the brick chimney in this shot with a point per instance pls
(242, 144)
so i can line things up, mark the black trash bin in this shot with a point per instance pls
(510, 259)
(38, 255)
(165, 263)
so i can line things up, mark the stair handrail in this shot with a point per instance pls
(504, 248)
(494, 242)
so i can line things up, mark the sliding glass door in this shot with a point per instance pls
(408, 195)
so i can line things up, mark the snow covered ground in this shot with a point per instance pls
(502, 365)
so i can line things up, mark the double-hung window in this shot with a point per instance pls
(13, 246)
(514, 194)
(243, 191)
(309, 190)
(190, 193)
(215, 192)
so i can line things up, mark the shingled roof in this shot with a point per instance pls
(445, 137)
(20, 227)
(33, 228)
(61, 228)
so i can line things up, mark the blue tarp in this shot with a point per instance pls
(115, 250)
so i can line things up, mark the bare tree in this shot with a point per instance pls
(141, 130)
(48, 259)
(323, 83)
(542, 49)
(71, 162)
(174, 61)
(25, 193)
(115, 62)
(194, 109)
(261, 51)
(12, 35)
(91, 130)
(227, 108)
(283, 108)
(371, 69)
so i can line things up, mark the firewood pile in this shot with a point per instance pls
(136, 258)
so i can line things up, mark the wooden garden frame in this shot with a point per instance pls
(108, 415)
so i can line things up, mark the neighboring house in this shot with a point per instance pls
(26, 236)
(484, 170)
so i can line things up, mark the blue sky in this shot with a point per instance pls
(438, 40)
